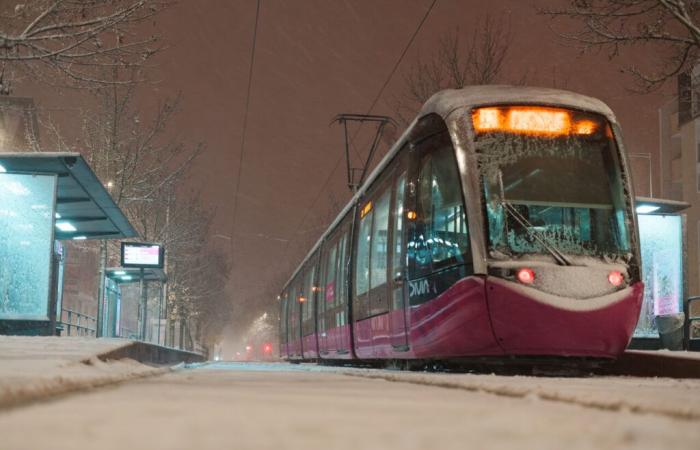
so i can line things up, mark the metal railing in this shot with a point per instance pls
(128, 333)
(77, 324)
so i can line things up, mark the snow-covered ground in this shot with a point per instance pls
(280, 406)
(32, 368)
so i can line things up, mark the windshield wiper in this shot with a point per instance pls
(534, 232)
(541, 238)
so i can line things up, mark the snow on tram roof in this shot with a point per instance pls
(445, 102)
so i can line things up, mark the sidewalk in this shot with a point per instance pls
(32, 368)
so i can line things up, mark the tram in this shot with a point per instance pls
(500, 224)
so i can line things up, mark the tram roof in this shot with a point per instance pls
(445, 102)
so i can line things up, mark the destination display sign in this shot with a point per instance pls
(138, 254)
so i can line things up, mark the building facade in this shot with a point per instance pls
(679, 135)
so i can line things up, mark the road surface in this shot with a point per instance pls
(279, 406)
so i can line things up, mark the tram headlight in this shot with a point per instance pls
(526, 276)
(616, 278)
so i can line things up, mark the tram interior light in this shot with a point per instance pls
(646, 209)
(66, 227)
(119, 272)
(79, 238)
(126, 278)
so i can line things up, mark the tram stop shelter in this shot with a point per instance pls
(148, 325)
(662, 238)
(46, 198)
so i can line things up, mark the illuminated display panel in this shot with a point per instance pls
(142, 255)
(534, 120)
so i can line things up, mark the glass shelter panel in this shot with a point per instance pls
(26, 239)
(660, 239)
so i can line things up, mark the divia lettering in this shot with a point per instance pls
(417, 288)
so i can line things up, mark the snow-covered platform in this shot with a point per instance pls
(305, 406)
(32, 367)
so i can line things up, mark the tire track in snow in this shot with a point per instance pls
(526, 392)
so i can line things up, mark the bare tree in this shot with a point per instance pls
(75, 40)
(665, 27)
(456, 63)
(135, 156)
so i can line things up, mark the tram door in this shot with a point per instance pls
(437, 241)
(397, 258)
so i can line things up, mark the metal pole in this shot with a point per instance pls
(160, 310)
(142, 288)
(101, 293)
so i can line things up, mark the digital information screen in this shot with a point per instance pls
(136, 254)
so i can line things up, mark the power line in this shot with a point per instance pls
(369, 111)
(245, 128)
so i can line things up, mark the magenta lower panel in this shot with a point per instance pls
(362, 331)
(283, 351)
(294, 349)
(382, 334)
(310, 346)
(526, 326)
(455, 323)
(337, 343)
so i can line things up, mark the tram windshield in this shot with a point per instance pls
(552, 183)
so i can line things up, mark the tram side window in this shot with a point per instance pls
(380, 232)
(295, 310)
(361, 299)
(397, 240)
(284, 321)
(341, 292)
(307, 307)
(440, 238)
(326, 298)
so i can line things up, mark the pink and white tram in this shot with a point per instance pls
(500, 224)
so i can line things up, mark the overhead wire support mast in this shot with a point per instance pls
(381, 122)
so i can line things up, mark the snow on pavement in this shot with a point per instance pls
(280, 406)
(32, 367)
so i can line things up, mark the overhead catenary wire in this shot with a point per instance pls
(243, 132)
(369, 111)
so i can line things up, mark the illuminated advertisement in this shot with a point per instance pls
(661, 244)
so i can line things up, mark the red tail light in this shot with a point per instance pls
(526, 276)
(615, 278)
